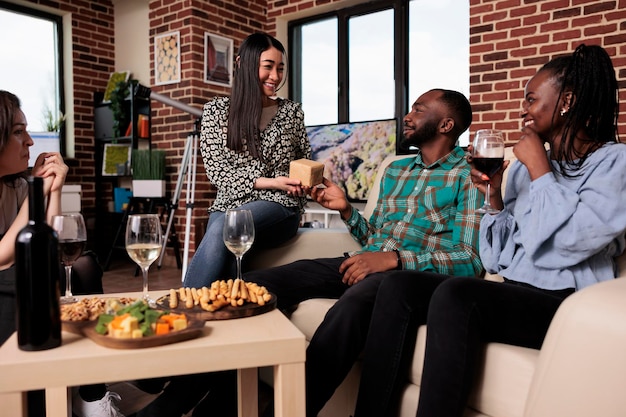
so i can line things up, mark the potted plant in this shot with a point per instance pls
(148, 170)
(117, 97)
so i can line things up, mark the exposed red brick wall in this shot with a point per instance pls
(509, 41)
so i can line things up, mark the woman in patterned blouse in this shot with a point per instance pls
(247, 142)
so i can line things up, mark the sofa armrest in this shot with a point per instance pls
(307, 244)
(581, 370)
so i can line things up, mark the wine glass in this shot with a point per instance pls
(72, 235)
(143, 244)
(238, 233)
(488, 157)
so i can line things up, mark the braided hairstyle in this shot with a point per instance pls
(246, 100)
(589, 75)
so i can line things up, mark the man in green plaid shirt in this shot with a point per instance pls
(425, 219)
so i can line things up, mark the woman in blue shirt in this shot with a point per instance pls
(560, 228)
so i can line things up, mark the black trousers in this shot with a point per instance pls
(462, 315)
(378, 318)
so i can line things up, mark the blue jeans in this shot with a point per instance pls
(273, 224)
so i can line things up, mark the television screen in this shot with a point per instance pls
(352, 153)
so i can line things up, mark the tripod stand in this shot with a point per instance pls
(187, 169)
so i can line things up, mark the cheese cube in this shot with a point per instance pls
(310, 173)
(179, 324)
(129, 324)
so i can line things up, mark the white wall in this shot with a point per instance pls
(132, 39)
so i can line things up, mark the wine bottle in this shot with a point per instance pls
(37, 277)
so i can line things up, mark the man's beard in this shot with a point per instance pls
(421, 136)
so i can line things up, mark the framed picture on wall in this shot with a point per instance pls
(167, 58)
(218, 60)
(116, 160)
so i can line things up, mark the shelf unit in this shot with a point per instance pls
(135, 104)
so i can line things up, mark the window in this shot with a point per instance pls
(32, 70)
(372, 61)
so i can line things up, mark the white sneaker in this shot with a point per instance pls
(103, 407)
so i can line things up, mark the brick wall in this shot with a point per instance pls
(509, 40)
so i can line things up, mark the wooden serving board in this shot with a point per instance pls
(225, 313)
(77, 326)
(193, 330)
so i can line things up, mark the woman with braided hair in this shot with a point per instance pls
(560, 227)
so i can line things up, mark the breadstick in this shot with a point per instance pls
(188, 298)
(235, 290)
(205, 294)
(195, 296)
(244, 290)
(251, 294)
(173, 298)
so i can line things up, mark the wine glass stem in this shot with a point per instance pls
(239, 266)
(487, 198)
(68, 280)
(144, 270)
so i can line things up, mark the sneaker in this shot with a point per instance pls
(104, 407)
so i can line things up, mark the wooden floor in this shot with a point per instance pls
(120, 276)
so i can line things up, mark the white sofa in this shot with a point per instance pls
(579, 372)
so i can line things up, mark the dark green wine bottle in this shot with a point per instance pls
(37, 277)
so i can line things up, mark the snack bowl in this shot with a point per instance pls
(84, 313)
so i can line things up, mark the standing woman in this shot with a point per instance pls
(89, 400)
(560, 228)
(247, 142)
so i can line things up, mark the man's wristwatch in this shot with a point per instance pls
(399, 266)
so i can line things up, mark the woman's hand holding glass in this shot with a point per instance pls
(487, 156)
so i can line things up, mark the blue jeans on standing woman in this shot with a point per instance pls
(273, 223)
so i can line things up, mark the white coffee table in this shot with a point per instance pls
(244, 344)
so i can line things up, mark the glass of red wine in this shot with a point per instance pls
(72, 235)
(488, 157)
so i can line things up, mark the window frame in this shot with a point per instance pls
(400, 8)
(60, 83)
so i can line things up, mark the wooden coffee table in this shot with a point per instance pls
(245, 344)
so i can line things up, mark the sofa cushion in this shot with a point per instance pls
(309, 314)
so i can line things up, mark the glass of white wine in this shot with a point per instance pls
(238, 233)
(72, 235)
(143, 244)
